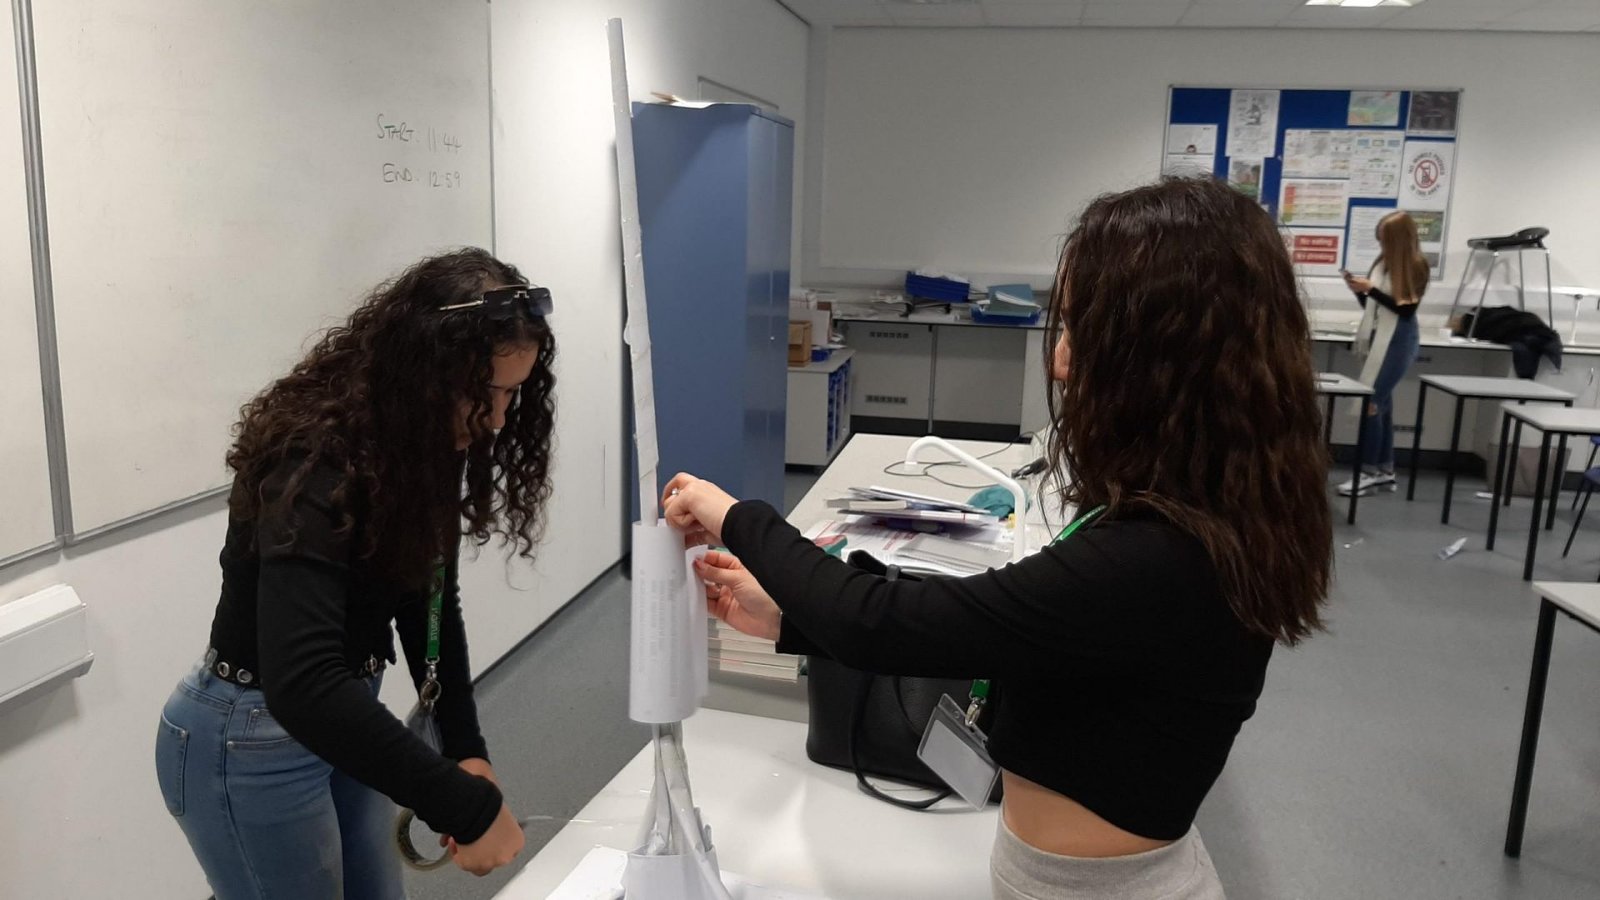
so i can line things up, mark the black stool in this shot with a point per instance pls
(1522, 241)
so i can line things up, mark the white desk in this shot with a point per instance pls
(1581, 602)
(1556, 423)
(781, 821)
(862, 461)
(1472, 387)
(1334, 386)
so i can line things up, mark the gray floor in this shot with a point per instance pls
(1378, 764)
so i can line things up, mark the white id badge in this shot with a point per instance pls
(959, 754)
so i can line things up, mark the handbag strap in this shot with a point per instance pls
(858, 715)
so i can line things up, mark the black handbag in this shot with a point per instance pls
(872, 724)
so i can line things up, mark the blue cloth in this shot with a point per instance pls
(267, 818)
(1403, 347)
(994, 500)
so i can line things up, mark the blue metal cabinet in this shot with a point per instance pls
(715, 199)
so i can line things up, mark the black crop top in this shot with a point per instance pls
(303, 615)
(1121, 675)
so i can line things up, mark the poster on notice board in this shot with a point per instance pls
(1433, 113)
(1373, 109)
(1363, 250)
(1375, 162)
(1316, 153)
(1313, 202)
(1252, 123)
(1244, 176)
(1425, 173)
(1316, 251)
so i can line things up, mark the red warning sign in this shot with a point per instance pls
(1316, 249)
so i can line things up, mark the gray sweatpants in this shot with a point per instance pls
(1178, 871)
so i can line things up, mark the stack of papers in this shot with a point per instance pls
(733, 651)
(943, 554)
(1013, 301)
(979, 548)
(891, 505)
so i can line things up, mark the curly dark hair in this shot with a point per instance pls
(1190, 390)
(378, 396)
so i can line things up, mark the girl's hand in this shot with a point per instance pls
(497, 847)
(1359, 285)
(734, 596)
(696, 506)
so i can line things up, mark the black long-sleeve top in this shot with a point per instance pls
(303, 613)
(1122, 675)
(1387, 301)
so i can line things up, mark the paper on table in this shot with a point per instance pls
(667, 664)
(599, 877)
(887, 543)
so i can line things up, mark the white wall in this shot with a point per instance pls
(971, 149)
(80, 816)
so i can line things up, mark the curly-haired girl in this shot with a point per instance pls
(425, 416)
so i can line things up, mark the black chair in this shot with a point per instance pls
(1591, 477)
(1521, 242)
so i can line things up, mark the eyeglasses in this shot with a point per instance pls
(510, 302)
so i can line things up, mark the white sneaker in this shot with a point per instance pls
(1371, 482)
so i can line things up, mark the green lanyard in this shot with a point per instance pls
(431, 689)
(980, 688)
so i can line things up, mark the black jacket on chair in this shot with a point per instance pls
(1525, 333)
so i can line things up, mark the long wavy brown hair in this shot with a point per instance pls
(1190, 390)
(1402, 257)
(379, 396)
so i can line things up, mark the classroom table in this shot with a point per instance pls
(863, 461)
(778, 819)
(1464, 388)
(1334, 386)
(1556, 423)
(782, 821)
(1581, 602)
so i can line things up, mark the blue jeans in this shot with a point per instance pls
(267, 818)
(1403, 347)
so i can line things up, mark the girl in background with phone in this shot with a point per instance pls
(1388, 339)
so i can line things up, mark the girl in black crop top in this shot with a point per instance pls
(426, 415)
(1128, 655)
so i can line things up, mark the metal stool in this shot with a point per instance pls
(1526, 239)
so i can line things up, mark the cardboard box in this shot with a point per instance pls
(799, 343)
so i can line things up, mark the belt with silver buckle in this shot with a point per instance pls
(245, 678)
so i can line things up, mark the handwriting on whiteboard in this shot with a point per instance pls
(417, 154)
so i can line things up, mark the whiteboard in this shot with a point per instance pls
(225, 179)
(26, 521)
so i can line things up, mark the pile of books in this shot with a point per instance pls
(732, 651)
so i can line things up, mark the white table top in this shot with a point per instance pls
(1485, 387)
(953, 318)
(1335, 385)
(1557, 419)
(862, 461)
(1580, 598)
(781, 821)
(1431, 340)
(1576, 292)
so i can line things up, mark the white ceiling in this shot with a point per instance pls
(1440, 15)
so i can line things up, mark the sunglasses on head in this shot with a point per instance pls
(522, 300)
